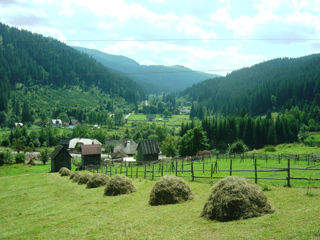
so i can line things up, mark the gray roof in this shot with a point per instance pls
(57, 150)
(128, 147)
(149, 146)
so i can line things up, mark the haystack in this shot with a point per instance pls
(119, 184)
(235, 198)
(84, 178)
(97, 180)
(64, 172)
(170, 190)
(74, 176)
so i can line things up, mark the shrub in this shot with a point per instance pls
(269, 148)
(44, 156)
(64, 172)
(98, 180)
(170, 190)
(20, 157)
(84, 178)
(238, 147)
(119, 184)
(74, 176)
(235, 198)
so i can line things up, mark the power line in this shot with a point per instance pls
(192, 39)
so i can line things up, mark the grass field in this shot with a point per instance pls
(291, 148)
(47, 206)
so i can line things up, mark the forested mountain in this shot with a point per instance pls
(273, 85)
(154, 78)
(28, 59)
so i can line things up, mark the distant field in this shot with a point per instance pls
(292, 148)
(47, 206)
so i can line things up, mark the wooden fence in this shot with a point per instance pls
(220, 166)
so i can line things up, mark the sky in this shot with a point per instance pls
(215, 36)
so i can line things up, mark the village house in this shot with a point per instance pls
(56, 123)
(76, 143)
(90, 154)
(60, 158)
(148, 150)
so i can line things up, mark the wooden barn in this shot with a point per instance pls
(60, 158)
(148, 150)
(90, 154)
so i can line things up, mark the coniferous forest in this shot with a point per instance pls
(30, 59)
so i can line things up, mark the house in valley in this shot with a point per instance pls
(90, 154)
(60, 157)
(148, 150)
(56, 123)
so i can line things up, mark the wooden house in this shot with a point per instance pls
(56, 123)
(90, 154)
(60, 158)
(148, 150)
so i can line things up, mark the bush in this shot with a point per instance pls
(235, 198)
(20, 157)
(269, 148)
(84, 178)
(119, 184)
(74, 176)
(98, 180)
(170, 190)
(44, 156)
(238, 147)
(64, 172)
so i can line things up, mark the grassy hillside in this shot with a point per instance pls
(47, 206)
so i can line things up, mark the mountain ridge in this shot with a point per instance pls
(154, 78)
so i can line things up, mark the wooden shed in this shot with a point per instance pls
(90, 154)
(60, 158)
(148, 150)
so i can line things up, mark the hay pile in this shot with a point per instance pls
(119, 184)
(64, 172)
(235, 198)
(98, 180)
(74, 176)
(170, 190)
(84, 178)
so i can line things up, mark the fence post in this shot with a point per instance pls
(192, 173)
(176, 167)
(203, 167)
(288, 170)
(182, 165)
(145, 171)
(211, 171)
(136, 172)
(230, 167)
(162, 170)
(255, 171)
(131, 170)
(121, 168)
(126, 170)
(152, 171)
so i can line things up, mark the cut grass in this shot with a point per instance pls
(46, 206)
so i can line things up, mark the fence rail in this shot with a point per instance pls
(252, 166)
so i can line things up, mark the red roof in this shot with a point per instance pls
(91, 149)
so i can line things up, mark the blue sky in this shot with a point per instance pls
(210, 35)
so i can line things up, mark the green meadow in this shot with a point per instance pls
(47, 206)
